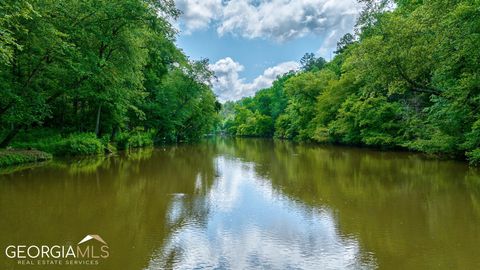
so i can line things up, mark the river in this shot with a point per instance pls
(249, 204)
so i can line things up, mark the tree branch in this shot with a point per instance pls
(417, 87)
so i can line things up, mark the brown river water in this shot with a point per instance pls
(243, 204)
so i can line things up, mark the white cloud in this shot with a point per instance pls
(279, 20)
(230, 86)
(270, 74)
(284, 20)
(197, 14)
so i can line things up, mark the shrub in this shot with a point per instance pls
(80, 144)
(438, 144)
(134, 139)
(474, 157)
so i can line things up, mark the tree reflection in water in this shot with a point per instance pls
(246, 203)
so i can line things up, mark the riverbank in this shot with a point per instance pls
(44, 144)
(471, 157)
(13, 157)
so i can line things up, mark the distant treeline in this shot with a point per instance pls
(101, 67)
(409, 77)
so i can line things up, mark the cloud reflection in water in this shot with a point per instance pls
(242, 222)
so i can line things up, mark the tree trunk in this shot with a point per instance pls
(6, 141)
(97, 126)
(75, 104)
(114, 133)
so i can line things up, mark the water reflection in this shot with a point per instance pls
(411, 213)
(251, 204)
(250, 225)
(124, 199)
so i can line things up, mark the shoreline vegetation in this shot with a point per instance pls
(408, 78)
(43, 145)
(14, 157)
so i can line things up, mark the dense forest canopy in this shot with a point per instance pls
(409, 77)
(99, 66)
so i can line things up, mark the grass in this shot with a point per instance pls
(76, 144)
(15, 157)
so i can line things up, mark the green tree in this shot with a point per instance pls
(311, 63)
(302, 91)
(99, 66)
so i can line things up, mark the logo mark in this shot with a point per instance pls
(91, 237)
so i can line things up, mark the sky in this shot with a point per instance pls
(251, 42)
